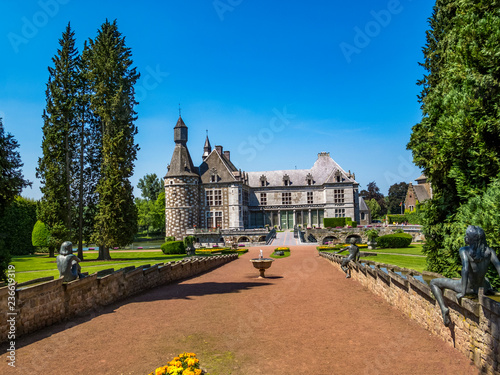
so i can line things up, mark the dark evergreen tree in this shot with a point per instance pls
(57, 167)
(457, 142)
(111, 80)
(396, 196)
(12, 183)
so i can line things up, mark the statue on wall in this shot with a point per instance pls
(67, 263)
(476, 257)
(353, 255)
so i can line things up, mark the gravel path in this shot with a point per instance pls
(305, 318)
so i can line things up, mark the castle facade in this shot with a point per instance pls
(216, 194)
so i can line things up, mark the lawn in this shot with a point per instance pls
(415, 263)
(29, 267)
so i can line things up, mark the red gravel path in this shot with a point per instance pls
(305, 318)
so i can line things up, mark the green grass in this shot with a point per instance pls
(415, 263)
(411, 250)
(29, 267)
(285, 252)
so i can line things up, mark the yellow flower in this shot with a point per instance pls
(197, 371)
(192, 361)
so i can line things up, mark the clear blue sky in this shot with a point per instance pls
(274, 82)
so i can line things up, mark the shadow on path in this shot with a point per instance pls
(176, 290)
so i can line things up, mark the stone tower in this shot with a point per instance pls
(182, 199)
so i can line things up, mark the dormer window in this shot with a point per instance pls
(213, 175)
(338, 176)
(309, 179)
(286, 180)
(263, 181)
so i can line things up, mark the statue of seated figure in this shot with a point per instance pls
(476, 257)
(67, 263)
(353, 255)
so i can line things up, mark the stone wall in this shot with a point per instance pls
(475, 327)
(51, 302)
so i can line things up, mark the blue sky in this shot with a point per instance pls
(273, 82)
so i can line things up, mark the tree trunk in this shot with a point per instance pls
(104, 253)
(51, 251)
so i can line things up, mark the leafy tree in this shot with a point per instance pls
(457, 142)
(150, 186)
(111, 82)
(374, 208)
(373, 192)
(11, 184)
(397, 194)
(17, 224)
(56, 168)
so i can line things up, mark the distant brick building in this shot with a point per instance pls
(418, 193)
(218, 195)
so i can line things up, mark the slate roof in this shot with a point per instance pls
(181, 163)
(421, 192)
(362, 205)
(323, 171)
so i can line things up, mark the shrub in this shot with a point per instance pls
(40, 235)
(169, 238)
(333, 222)
(396, 240)
(173, 247)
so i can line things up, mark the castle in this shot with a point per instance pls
(218, 195)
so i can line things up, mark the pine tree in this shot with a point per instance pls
(57, 167)
(457, 142)
(111, 81)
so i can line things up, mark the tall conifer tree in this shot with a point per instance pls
(457, 142)
(57, 167)
(111, 80)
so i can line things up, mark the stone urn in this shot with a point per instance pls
(262, 264)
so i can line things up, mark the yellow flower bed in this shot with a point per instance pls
(282, 249)
(184, 364)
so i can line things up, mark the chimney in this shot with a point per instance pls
(219, 149)
(227, 154)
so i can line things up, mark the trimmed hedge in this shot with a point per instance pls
(333, 222)
(396, 240)
(173, 247)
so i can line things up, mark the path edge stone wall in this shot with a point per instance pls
(475, 327)
(51, 302)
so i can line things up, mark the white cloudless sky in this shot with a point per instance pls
(273, 82)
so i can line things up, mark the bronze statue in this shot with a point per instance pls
(476, 257)
(67, 263)
(353, 255)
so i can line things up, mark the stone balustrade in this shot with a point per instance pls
(41, 305)
(475, 327)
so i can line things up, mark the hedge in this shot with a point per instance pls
(173, 247)
(396, 240)
(333, 222)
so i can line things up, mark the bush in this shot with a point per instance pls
(333, 222)
(169, 238)
(16, 224)
(173, 247)
(393, 241)
(40, 235)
